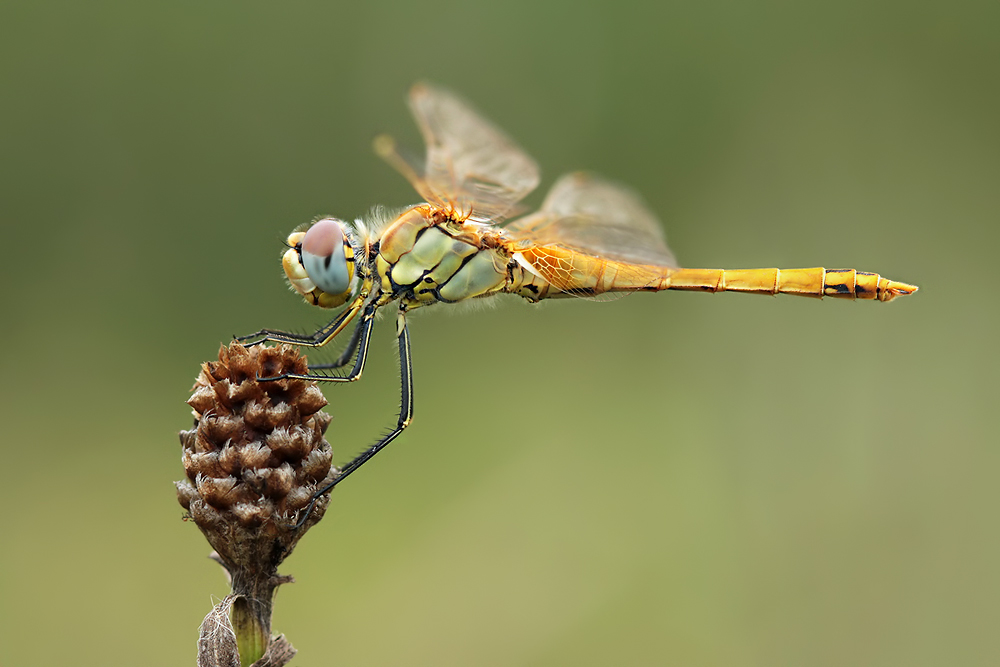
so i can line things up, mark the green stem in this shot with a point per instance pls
(251, 616)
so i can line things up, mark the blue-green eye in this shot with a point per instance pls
(323, 257)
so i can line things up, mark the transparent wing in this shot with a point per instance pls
(588, 214)
(471, 166)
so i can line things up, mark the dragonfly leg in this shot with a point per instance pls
(318, 339)
(359, 339)
(405, 416)
(348, 353)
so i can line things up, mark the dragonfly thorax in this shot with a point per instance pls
(425, 256)
(319, 262)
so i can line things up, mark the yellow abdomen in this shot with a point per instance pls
(817, 282)
(570, 271)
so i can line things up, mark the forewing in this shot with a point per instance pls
(471, 165)
(588, 214)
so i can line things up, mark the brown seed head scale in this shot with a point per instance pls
(253, 460)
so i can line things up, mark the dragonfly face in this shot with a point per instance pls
(590, 237)
(319, 263)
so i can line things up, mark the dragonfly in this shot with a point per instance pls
(590, 237)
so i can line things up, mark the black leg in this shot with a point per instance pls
(405, 416)
(345, 356)
(318, 339)
(363, 333)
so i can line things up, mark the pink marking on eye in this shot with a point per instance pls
(323, 238)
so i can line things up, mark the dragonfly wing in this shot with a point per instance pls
(588, 214)
(471, 165)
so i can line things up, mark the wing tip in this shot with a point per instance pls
(420, 88)
(383, 145)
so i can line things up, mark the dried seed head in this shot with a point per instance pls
(255, 456)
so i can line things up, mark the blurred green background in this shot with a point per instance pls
(671, 479)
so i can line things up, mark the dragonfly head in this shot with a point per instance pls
(319, 263)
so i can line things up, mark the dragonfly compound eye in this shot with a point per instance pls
(325, 258)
